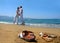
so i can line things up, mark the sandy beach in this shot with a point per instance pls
(9, 33)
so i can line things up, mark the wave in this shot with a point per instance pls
(37, 25)
(6, 22)
(45, 25)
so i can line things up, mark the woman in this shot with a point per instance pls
(17, 15)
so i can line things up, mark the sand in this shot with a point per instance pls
(9, 33)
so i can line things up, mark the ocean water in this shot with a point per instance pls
(52, 23)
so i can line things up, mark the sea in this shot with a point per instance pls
(50, 23)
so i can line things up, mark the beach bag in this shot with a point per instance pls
(27, 35)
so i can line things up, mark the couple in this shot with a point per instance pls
(19, 13)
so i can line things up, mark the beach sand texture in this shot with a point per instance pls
(9, 33)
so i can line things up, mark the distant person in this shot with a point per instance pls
(17, 15)
(21, 15)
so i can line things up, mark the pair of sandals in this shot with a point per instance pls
(46, 36)
(29, 36)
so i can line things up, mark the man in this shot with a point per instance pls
(21, 15)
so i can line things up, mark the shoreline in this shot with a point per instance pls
(35, 25)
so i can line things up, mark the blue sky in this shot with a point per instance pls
(39, 9)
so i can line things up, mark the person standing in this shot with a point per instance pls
(17, 15)
(21, 15)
